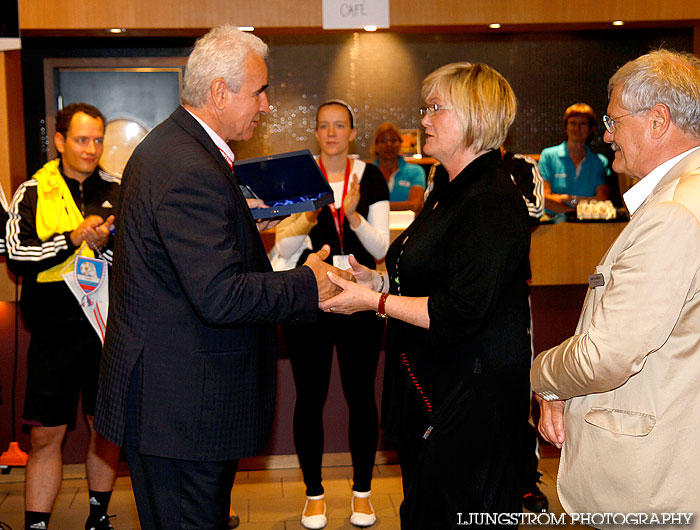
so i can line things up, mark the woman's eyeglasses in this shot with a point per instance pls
(430, 110)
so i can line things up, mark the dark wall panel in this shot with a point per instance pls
(379, 74)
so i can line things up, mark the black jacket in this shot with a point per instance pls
(28, 255)
(467, 251)
(195, 302)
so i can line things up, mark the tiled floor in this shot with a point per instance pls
(265, 500)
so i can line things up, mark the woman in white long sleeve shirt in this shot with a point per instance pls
(356, 223)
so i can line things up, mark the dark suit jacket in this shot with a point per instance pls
(194, 300)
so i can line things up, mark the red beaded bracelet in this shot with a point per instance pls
(381, 307)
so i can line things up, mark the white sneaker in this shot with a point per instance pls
(314, 522)
(362, 519)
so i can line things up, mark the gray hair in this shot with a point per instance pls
(662, 76)
(220, 54)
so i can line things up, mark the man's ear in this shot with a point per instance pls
(659, 120)
(60, 142)
(218, 90)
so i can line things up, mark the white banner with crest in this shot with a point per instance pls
(89, 283)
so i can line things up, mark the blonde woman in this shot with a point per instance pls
(456, 391)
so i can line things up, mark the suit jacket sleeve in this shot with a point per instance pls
(649, 283)
(203, 214)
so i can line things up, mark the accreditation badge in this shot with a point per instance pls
(341, 261)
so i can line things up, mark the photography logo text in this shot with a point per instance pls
(596, 520)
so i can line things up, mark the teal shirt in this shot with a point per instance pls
(557, 168)
(407, 176)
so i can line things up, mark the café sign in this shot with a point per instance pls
(355, 14)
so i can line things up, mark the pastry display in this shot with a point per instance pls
(594, 209)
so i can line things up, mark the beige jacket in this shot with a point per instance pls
(631, 374)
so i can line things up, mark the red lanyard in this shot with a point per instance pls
(339, 216)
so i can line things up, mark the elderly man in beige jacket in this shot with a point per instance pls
(622, 396)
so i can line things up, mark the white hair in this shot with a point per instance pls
(662, 76)
(220, 54)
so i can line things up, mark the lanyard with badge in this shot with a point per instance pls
(340, 261)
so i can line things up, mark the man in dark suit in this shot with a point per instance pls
(188, 375)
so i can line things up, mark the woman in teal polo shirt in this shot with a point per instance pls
(406, 182)
(570, 170)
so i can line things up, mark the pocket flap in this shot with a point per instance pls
(624, 422)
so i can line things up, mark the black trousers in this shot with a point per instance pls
(357, 339)
(530, 458)
(174, 494)
(181, 494)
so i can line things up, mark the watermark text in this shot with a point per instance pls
(596, 520)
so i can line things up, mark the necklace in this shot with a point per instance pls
(397, 280)
(404, 357)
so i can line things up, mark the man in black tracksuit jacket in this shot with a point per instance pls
(66, 205)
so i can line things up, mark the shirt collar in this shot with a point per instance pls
(220, 143)
(637, 194)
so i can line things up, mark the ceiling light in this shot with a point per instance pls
(370, 28)
(618, 22)
(495, 25)
(117, 30)
(246, 28)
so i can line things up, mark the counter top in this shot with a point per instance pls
(566, 253)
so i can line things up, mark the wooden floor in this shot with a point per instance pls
(265, 500)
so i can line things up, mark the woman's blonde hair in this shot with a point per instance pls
(481, 98)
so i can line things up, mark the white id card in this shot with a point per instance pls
(341, 261)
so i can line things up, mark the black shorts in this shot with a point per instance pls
(63, 361)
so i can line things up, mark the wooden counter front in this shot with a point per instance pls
(566, 253)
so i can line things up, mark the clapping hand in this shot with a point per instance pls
(352, 198)
(94, 231)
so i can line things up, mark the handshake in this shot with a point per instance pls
(347, 291)
(326, 288)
